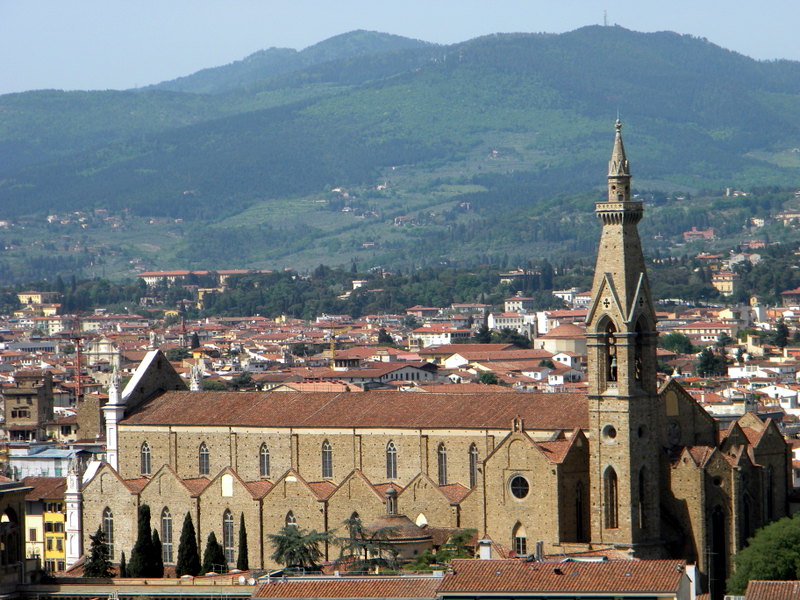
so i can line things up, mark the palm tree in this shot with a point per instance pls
(298, 548)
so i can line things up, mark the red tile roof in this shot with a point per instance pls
(773, 590)
(461, 348)
(565, 331)
(564, 411)
(322, 489)
(613, 576)
(136, 485)
(258, 488)
(556, 450)
(45, 488)
(195, 485)
(454, 492)
(350, 587)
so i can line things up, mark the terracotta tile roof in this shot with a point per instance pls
(752, 435)
(461, 348)
(629, 576)
(350, 587)
(368, 409)
(773, 590)
(556, 450)
(565, 331)
(322, 489)
(454, 492)
(136, 485)
(45, 488)
(382, 488)
(195, 485)
(700, 454)
(258, 488)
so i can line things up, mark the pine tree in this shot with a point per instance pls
(123, 568)
(213, 556)
(241, 561)
(142, 562)
(298, 548)
(98, 564)
(188, 554)
(158, 556)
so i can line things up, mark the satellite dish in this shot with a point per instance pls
(251, 581)
(242, 579)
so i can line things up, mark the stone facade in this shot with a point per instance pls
(630, 466)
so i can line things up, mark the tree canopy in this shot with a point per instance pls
(298, 548)
(773, 554)
(363, 549)
(676, 342)
(99, 564)
(143, 561)
(214, 556)
(188, 554)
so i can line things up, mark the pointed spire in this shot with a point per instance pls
(196, 377)
(618, 165)
(114, 385)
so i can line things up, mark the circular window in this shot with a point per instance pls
(609, 433)
(717, 481)
(519, 486)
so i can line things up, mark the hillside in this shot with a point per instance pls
(272, 62)
(467, 147)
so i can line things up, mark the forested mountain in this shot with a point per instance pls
(269, 63)
(452, 150)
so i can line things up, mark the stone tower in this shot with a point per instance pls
(621, 345)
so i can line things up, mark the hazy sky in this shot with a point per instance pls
(118, 44)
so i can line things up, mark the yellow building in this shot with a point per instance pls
(37, 297)
(44, 521)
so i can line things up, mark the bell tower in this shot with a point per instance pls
(621, 344)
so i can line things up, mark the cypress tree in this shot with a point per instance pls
(213, 556)
(188, 554)
(123, 568)
(142, 562)
(158, 556)
(242, 562)
(98, 564)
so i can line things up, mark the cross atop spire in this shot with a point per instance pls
(618, 165)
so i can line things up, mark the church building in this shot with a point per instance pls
(630, 466)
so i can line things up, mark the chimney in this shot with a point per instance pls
(485, 549)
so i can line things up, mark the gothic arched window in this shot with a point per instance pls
(638, 352)
(263, 461)
(579, 525)
(391, 461)
(519, 540)
(611, 498)
(290, 519)
(642, 495)
(770, 499)
(611, 352)
(108, 531)
(441, 459)
(473, 465)
(203, 465)
(166, 535)
(144, 455)
(227, 535)
(327, 460)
